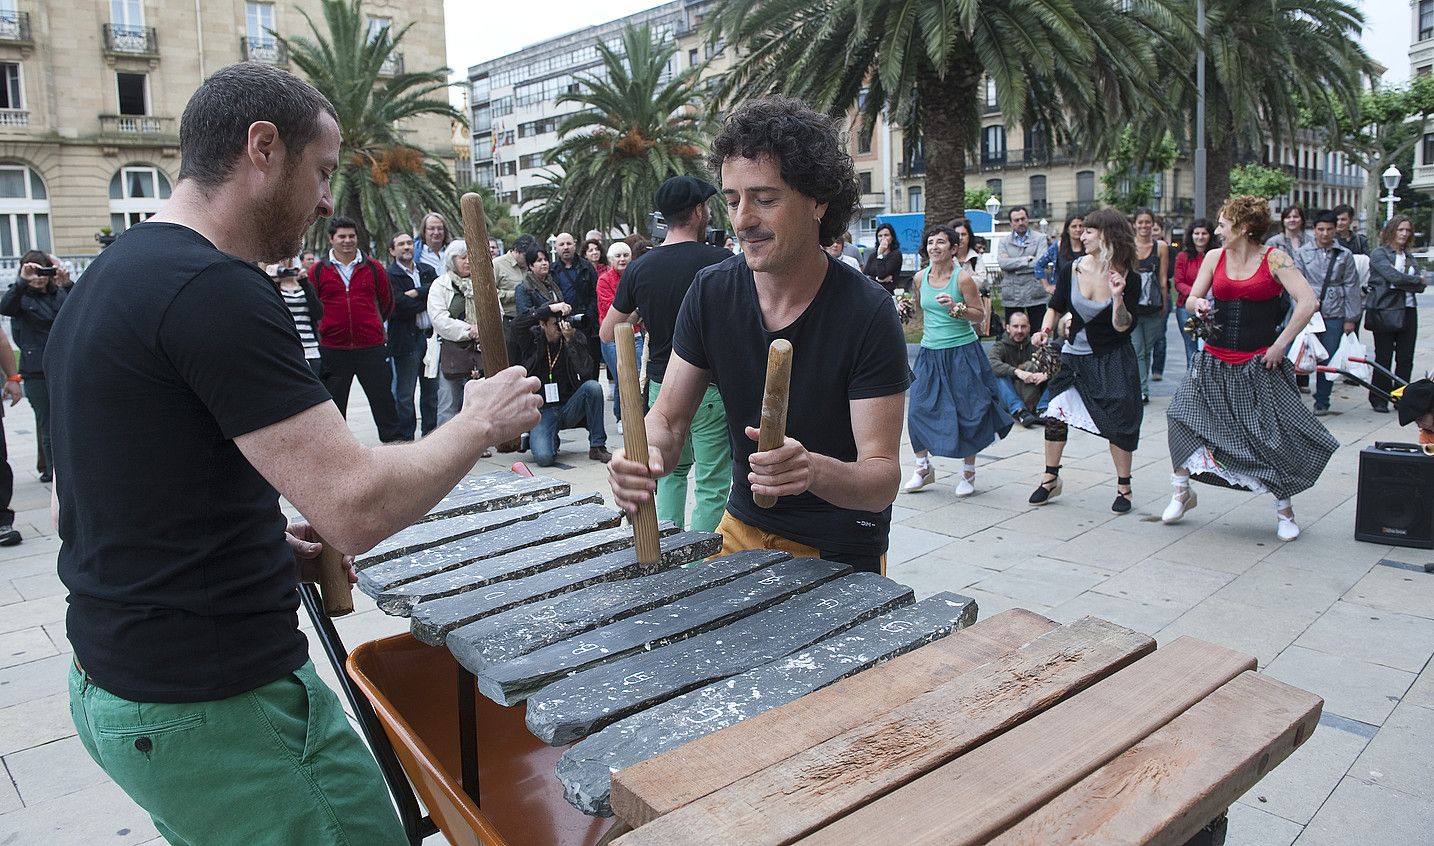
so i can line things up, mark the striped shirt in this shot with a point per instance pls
(299, 307)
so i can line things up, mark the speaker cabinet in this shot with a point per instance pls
(1395, 503)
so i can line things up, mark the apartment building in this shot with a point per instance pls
(1421, 62)
(91, 92)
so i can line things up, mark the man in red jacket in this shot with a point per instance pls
(357, 300)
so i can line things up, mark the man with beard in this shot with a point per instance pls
(183, 410)
(578, 279)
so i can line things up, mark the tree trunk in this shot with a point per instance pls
(1219, 158)
(948, 122)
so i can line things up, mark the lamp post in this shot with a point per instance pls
(1391, 177)
(993, 208)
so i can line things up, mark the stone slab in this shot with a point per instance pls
(1398, 756)
(1252, 826)
(492, 491)
(507, 635)
(100, 815)
(586, 769)
(34, 722)
(513, 681)
(24, 646)
(1351, 688)
(1377, 636)
(34, 679)
(431, 533)
(1296, 789)
(579, 705)
(431, 621)
(1361, 812)
(54, 769)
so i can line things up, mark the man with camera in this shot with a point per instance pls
(560, 359)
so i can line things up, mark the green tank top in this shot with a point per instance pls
(941, 330)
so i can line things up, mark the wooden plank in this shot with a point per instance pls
(513, 681)
(492, 491)
(504, 636)
(540, 527)
(645, 791)
(1009, 777)
(586, 769)
(431, 533)
(582, 541)
(431, 621)
(579, 705)
(801, 794)
(1171, 784)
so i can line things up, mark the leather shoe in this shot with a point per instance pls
(600, 453)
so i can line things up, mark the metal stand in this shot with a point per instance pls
(416, 825)
(468, 733)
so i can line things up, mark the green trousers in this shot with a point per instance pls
(707, 458)
(276, 765)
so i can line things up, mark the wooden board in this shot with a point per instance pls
(801, 794)
(583, 539)
(545, 526)
(512, 682)
(1009, 777)
(491, 491)
(426, 535)
(431, 621)
(505, 636)
(1168, 786)
(586, 769)
(645, 791)
(579, 705)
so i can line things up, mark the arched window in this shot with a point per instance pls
(24, 211)
(136, 192)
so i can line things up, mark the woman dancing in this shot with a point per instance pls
(1237, 420)
(1098, 387)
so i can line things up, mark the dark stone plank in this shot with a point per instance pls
(515, 564)
(579, 705)
(586, 769)
(426, 535)
(504, 636)
(431, 621)
(492, 491)
(542, 527)
(510, 682)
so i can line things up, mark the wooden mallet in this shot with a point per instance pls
(334, 581)
(774, 405)
(485, 293)
(634, 444)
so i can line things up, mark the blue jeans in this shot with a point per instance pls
(1330, 337)
(609, 357)
(1157, 352)
(408, 375)
(583, 408)
(1006, 387)
(1181, 316)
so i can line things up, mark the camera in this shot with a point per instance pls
(47, 271)
(574, 318)
(287, 271)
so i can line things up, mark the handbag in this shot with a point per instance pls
(458, 359)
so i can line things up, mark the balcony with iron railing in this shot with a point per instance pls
(15, 27)
(265, 51)
(392, 66)
(123, 40)
(138, 128)
(12, 118)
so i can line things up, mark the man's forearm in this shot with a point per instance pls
(863, 485)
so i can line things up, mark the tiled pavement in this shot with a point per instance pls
(1320, 613)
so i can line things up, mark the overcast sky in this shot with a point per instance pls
(478, 32)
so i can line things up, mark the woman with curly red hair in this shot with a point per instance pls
(1237, 420)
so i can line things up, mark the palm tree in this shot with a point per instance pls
(636, 129)
(383, 182)
(1073, 68)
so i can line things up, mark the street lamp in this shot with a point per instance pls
(1391, 177)
(993, 207)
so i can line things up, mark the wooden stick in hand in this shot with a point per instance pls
(485, 293)
(334, 581)
(634, 443)
(774, 405)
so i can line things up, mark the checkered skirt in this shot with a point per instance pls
(1244, 426)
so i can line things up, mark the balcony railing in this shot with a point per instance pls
(392, 66)
(131, 40)
(916, 167)
(146, 127)
(990, 108)
(873, 199)
(14, 117)
(1039, 208)
(1184, 205)
(15, 27)
(1081, 207)
(265, 51)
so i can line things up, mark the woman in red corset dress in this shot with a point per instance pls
(1237, 420)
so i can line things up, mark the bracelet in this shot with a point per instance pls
(958, 310)
(16, 378)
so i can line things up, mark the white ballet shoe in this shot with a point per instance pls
(1181, 502)
(967, 485)
(1286, 529)
(920, 478)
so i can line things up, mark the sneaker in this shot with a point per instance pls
(920, 478)
(1157, 377)
(1321, 410)
(8, 535)
(599, 453)
(967, 485)
(47, 477)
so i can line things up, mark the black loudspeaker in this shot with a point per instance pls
(1395, 503)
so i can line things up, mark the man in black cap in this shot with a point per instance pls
(653, 288)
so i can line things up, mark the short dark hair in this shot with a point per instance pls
(1329, 216)
(807, 148)
(531, 254)
(338, 222)
(895, 244)
(524, 243)
(1013, 209)
(396, 237)
(215, 126)
(1342, 208)
(314, 253)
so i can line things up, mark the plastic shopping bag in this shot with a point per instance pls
(1306, 352)
(1350, 358)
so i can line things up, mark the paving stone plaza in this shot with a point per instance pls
(1322, 613)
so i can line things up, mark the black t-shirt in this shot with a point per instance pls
(655, 285)
(182, 588)
(846, 346)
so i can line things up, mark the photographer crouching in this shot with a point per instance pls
(572, 396)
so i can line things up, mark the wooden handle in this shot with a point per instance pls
(334, 582)
(485, 293)
(634, 443)
(774, 405)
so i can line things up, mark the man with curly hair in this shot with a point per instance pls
(790, 188)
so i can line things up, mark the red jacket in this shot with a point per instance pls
(353, 317)
(1186, 269)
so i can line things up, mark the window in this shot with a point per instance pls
(863, 142)
(502, 106)
(506, 168)
(133, 93)
(12, 90)
(508, 198)
(483, 118)
(991, 95)
(377, 27)
(863, 178)
(914, 201)
(127, 14)
(1085, 187)
(692, 58)
(259, 22)
(480, 90)
(538, 127)
(993, 145)
(1426, 150)
(994, 186)
(1426, 20)
(24, 211)
(136, 193)
(1039, 206)
(531, 160)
